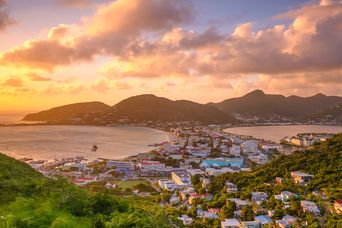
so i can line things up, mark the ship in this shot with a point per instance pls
(94, 148)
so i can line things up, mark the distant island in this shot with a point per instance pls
(254, 107)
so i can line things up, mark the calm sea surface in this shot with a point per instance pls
(50, 142)
(276, 133)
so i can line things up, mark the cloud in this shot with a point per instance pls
(108, 31)
(38, 78)
(147, 39)
(13, 82)
(76, 3)
(5, 19)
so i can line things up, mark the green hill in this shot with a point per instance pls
(149, 107)
(28, 199)
(257, 103)
(67, 112)
(324, 161)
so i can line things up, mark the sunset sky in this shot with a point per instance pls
(55, 52)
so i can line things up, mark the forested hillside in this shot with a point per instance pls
(324, 161)
(27, 199)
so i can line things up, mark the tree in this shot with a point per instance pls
(227, 211)
(247, 213)
(278, 213)
(104, 204)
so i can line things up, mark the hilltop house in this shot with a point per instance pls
(259, 196)
(309, 206)
(231, 188)
(301, 178)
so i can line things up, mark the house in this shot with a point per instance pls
(263, 219)
(250, 147)
(167, 184)
(235, 150)
(84, 181)
(279, 180)
(251, 224)
(282, 224)
(121, 167)
(181, 178)
(230, 223)
(301, 178)
(209, 215)
(214, 210)
(290, 219)
(119, 164)
(338, 206)
(193, 196)
(259, 196)
(240, 203)
(174, 200)
(151, 165)
(297, 141)
(185, 219)
(231, 187)
(110, 185)
(286, 196)
(205, 182)
(309, 207)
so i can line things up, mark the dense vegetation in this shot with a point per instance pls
(28, 199)
(324, 161)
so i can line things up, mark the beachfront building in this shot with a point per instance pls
(301, 178)
(119, 164)
(147, 165)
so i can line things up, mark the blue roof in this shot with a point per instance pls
(263, 219)
(219, 163)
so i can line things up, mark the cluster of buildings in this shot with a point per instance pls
(197, 151)
(306, 140)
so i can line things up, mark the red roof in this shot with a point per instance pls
(214, 210)
(339, 201)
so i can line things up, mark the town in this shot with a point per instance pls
(180, 172)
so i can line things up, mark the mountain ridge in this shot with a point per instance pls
(149, 107)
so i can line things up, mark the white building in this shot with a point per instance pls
(309, 206)
(167, 184)
(230, 223)
(147, 165)
(181, 178)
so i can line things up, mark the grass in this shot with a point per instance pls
(130, 183)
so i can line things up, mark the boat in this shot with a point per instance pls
(94, 148)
